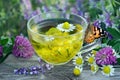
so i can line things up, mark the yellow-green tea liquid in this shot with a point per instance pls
(58, 51)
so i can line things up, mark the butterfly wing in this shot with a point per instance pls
(89, 37)
(93, 33)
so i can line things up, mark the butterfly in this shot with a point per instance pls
(93, 33)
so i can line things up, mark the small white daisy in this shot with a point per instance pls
(108, 70)
(49, 38)
(94, 68)
(77, 70)
(115, 53)
(78, 60)
(66, 27)
(90, 59)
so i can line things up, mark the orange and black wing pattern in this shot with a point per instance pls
(93, 33)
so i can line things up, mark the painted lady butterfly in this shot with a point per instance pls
(93, 33)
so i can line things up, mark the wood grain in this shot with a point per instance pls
(62, 72)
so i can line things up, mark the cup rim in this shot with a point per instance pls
(28, 26)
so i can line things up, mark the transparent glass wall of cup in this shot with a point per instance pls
(61, 49)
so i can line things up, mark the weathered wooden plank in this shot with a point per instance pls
(63, 72)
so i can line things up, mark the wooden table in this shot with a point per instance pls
(63, 72)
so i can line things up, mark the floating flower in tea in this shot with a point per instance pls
(66, 27)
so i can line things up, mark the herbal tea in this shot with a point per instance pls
(56, 41)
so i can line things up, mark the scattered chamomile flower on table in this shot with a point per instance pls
(90, 59)
(104, 59)
(77, 70)
(66, 27)
(78, 60)
(108, 70)
(94, 68)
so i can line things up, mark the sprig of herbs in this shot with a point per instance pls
(7, 45)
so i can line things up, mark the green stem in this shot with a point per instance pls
(3, 58)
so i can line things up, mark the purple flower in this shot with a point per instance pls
(108, 20)
(40, 1)
(81, 13)
(22, 47)
(33, 70)
(105, 56)
(28, 15)
(109, 36)
(27, 4)
(45, 8)
(74, 10)
(48, 66)
(1, 51)
(96, 23)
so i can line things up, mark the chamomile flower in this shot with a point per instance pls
(90, 59)
(78, 60)
(94, 68)
(77, 70)
(94, 52)
(108, 70)
(49, 38)
(66, 27)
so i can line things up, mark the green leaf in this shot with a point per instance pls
(117, 47)
(114, 32)
(94, 12)
(97, 49)
(111, 42)
(115, 43)
(105, 40)
(12, 40)
(4, 41)
(4, 57)
(72, 1)
(7, 49)
(118, 60)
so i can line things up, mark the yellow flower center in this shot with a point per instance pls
(76, 72)
(79, 61)
(94, 52)
(93, 68)
(106, 69)
(91, 60)
(66, 25)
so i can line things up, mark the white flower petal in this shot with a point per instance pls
(111, 70)
(60, 27)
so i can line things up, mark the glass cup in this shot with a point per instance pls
(54, 46)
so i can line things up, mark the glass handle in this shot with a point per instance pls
(89, 47)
